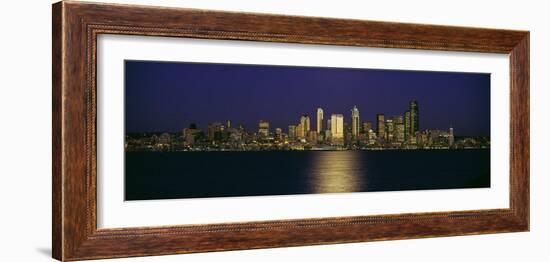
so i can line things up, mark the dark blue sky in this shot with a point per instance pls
(168, 96)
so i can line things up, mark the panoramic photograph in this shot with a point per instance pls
(201, 130)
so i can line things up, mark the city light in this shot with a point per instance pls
(398, 132)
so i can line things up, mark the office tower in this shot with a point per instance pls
(305, 125)
(263, 128)
(337, 128)
(389, 129)
(398, 129)
(319, 120)
(380, 127)
(292, 132)
(278, 133)
(300, 132)
(451, 136)
(355, 128)
(407, 125)
(228, 124)
(413, 108)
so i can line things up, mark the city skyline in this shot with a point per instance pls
(390, 133)
(166, 97)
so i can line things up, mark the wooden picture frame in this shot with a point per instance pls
(75, 28)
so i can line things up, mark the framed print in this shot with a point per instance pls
(182, 130)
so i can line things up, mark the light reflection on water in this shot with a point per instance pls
(335, 172)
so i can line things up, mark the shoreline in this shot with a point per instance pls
(314, 150)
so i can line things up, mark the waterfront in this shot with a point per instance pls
(170, 175)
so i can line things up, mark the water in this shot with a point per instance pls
(169, 175)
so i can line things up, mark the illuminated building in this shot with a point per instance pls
(398, 129)
(300, 132)
(164, 141)
(407, 125)
(451, 137)
(263, 128)
(215, 131)
(380, 126)
(292, 132)
(189, 135)
(235, 135)
(319, 120)
(305, 125)
(413, 108)
(312, 136)
(355, 123)
(371, 136)
(278, 133)
(337, 128)
(367, 126)
(389, 129)
(328, 135)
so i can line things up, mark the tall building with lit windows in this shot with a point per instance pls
(337, 128)
(319, 120)
(355, 123)
(300, 132)
(407, 125)
(398, 129)
(263, 128)
(389, 129)
(451, 136)
(413, 108)
(305, 124)
(278, 134)
(380, 126)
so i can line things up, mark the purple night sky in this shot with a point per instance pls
(168, 96)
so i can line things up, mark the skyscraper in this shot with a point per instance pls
(263, 128)
(305, 124)
(355, 123)
(300, 132)
(278, 133)
(389, 129)
(319, 120)
(337, 128)
(413, 107)
(407, 125)
(398, 129)
(380, 126)
(451, 137)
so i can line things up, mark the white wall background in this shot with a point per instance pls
(25, 130)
